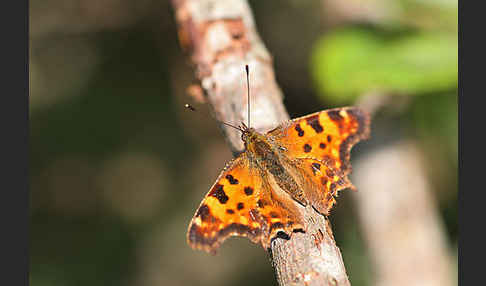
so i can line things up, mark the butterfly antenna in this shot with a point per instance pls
(191, 108)
(248, 86)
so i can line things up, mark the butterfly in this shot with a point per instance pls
(303, 162)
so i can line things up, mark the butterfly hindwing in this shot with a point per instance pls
(322, 182)
(224, 210)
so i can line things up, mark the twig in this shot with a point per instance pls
(221, 38)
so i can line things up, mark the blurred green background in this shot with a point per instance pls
(117, 167)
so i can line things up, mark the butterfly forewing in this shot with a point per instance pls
(224, 210)
(327, 135)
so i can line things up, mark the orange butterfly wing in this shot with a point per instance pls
(239, 204)
(319, 145)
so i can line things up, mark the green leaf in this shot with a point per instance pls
(348, 63)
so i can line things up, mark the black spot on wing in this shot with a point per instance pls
(248, 191)
(231, 179)
(334, 115)
(219, 193)
(203, 212)
(307, 148)
(313, 121)
(240, 206)
(299, 130)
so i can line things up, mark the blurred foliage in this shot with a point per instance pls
(412, 51)
(435, 119)
(117, 168)
(349, 62)
(73, 264)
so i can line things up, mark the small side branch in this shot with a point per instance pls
(221, 38)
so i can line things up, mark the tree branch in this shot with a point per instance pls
(221, 38)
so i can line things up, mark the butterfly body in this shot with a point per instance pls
(303, 162)
(266, 154)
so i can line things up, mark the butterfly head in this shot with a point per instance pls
(250, 136)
